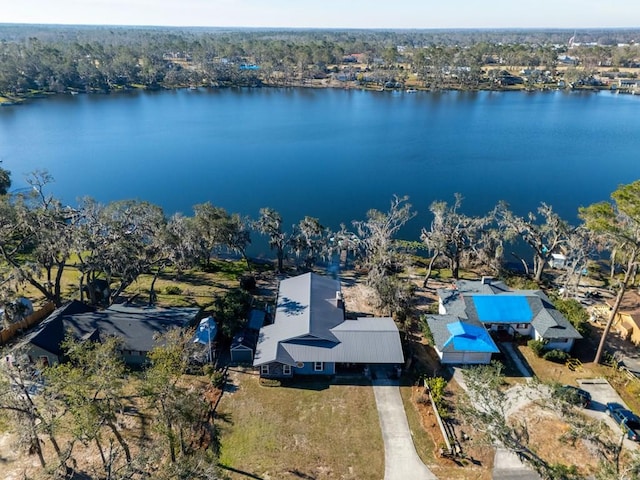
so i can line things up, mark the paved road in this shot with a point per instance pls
(401, 462)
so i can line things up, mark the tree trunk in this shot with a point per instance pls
(430, 268)
(121, 440)
(280, 260)
(455, 267)
(524, 263)
(630, 273)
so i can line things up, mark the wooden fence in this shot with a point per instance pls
(7, 333)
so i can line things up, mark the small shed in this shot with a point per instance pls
(243, 346)
(557, 260)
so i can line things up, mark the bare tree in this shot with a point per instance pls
(617, 222)
(452, 234)
(543, 238)
(270, 224)
(381, 254)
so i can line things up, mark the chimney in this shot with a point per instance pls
(339, 300)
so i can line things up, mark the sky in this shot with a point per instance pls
(571, 14)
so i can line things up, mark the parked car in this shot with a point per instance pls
(629, 422)
(575, 395)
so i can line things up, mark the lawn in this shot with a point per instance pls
(306, 430)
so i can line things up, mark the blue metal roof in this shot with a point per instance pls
(502, 308)
(470, 338)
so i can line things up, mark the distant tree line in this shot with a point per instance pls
(56, 59)
(118, 242)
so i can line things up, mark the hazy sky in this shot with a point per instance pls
(329, 13)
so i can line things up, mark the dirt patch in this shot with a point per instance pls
(546, 430)
(474, 459)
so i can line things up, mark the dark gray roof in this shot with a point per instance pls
(309, 325)
(136, 326)
(50, 333)
(551, 324)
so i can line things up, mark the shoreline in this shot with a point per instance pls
(15, 100)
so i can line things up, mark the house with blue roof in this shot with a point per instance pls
(310, 334)
(472, 313)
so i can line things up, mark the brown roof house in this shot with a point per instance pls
(627, 321)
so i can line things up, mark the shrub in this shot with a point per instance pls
(557, 356)
(537, 346)
(217, 379)
(173, 290)
(426, 331)
(270, 382)
(248, 283)
(436, 388)
(574, 312)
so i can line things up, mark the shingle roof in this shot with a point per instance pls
(310, 326)
(468, 299)
(135, 326)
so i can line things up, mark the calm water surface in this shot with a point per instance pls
(332, 154)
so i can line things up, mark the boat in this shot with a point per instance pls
(411, 90)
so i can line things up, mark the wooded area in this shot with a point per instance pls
(56, 59)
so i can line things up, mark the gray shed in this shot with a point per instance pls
(243, 346)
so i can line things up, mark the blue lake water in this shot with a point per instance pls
(331, 154)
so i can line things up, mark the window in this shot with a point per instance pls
(286, 369)
(318, 366)
(522, 326)
(264, 369)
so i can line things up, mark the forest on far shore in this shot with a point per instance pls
(38, 59)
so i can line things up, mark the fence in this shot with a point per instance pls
(7, 333)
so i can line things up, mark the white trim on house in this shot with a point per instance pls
(286, 369)
(318, 366)
(264, 369)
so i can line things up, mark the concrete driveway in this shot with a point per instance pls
(601, 394)
(401, 462)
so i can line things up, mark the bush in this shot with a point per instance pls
(173, 290)
(217, 379)
(574, 312)
(557, 356)
(436, 389)
(426, 331)
(248, 283)
(537, 346)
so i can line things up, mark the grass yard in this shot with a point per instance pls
(308, 430)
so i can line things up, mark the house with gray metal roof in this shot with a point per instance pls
(500, 311)
(310, 334)
(136, 327)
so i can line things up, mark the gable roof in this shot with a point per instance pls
(136, 326)
(493, 302)
(309, 325)
(452, 334)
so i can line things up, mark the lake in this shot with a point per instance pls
(331, 154)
